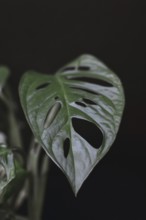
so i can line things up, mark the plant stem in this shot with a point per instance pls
(14, 131)
(37, 181)
(41, 187)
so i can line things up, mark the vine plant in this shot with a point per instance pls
(84, 92)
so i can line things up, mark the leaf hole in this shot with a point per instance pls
(81, 104)
(89, 131)
(88, 101)
(66, 147)
(68, 68)
(42, 86)
(56, 98)
(85, 90)
(83, 68)
(52, 113)
(93, 81)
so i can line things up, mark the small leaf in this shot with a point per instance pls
(7, 168)
(11, 173)
(83, 91)
(4, 74)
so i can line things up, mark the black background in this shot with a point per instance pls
(46, 35)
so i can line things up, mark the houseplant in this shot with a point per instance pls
(82, 93)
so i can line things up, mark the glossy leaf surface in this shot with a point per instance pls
(85, 91)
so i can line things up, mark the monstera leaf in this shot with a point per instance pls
(84, 92)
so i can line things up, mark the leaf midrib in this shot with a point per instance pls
(59, 80)
(64, 95)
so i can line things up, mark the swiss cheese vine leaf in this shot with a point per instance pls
(84, 93)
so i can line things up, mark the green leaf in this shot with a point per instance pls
(12, 175)
(4, 74)
(57, 107)
(7, 168)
